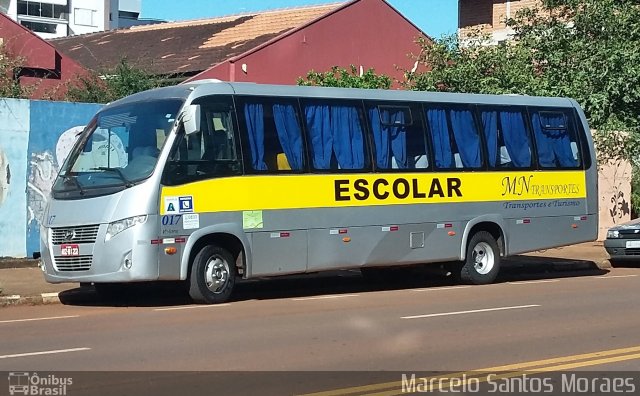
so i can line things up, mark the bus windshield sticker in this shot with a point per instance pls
(252, 219)
(191, 221)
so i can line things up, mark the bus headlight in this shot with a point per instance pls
(613, 234)
(118, 226)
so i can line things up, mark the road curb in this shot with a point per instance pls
(42, 299)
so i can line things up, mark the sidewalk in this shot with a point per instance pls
(22, 282)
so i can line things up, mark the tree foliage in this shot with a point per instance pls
(343, 78)
(111, 85)
(10, 67)
(588, 50)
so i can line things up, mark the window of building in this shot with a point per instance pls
(43, 10)
(40, 27)
(85, 17)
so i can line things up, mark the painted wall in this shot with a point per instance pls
(35, 137)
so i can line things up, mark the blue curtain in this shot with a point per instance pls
(348, 142)
(380, 139)
(388, 127)
(289, 134)
(516, 139)
(490, 125)
(467, 138)
(440, 134)
(317, 119)
(553, 141)
(254, 114)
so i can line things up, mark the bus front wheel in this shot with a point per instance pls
(212, 276)
(482, 262)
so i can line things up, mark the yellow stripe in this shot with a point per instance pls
(553, 364)
(484, 377)
(345, 190)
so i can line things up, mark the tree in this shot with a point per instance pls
(10, 67)
(343, 78)
(585, 49)
(111, 85)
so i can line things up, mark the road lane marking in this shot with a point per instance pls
(44, 353)
(532, 282)
(616, 276)
(36, 319)
(191, 307)
(469, 312)
(481, 376)
(324, 297)
(517, 369)
(441, 288)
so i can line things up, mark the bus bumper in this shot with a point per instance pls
(127, 257)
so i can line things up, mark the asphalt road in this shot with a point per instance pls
(332, 334)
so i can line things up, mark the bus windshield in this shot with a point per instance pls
(118, 148)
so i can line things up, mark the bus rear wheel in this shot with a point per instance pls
(212, 276)
(482, 262)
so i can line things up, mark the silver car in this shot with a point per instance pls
(623, 241)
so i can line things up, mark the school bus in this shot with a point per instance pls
(211, 182)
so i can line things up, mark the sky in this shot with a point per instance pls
(434, 17)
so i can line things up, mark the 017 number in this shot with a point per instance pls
(170, 220)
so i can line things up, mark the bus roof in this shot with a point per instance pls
(198, 89)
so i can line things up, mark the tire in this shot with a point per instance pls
(213, 276)
(482, 262)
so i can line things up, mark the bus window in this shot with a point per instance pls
(272, 135)
(455, 138)
(508, 141)
(556, 140)
(210, 152)
(399, 140)
(335, 135)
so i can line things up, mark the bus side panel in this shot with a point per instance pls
(279, 252)
(536, 229)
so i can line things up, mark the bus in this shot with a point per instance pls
(213, 182)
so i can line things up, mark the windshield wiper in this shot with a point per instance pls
(75, 181)
(117, 171)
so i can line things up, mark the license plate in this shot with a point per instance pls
(69, 250)
(633, 244)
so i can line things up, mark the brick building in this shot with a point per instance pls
(490, 15)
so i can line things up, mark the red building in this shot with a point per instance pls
(277, 46)
(44, 68)
(367, 33)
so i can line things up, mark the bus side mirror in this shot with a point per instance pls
(191, 119)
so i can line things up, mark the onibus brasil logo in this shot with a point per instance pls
(24, 383)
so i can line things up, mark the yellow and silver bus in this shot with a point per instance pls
(211, 182)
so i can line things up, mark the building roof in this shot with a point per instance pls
(186, 47)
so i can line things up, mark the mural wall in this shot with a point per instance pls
(35, 138)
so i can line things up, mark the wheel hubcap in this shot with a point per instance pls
(216, 274)
(483, 258)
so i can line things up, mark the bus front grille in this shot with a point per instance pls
(632, 252)
(69, 264)
(82, 234)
